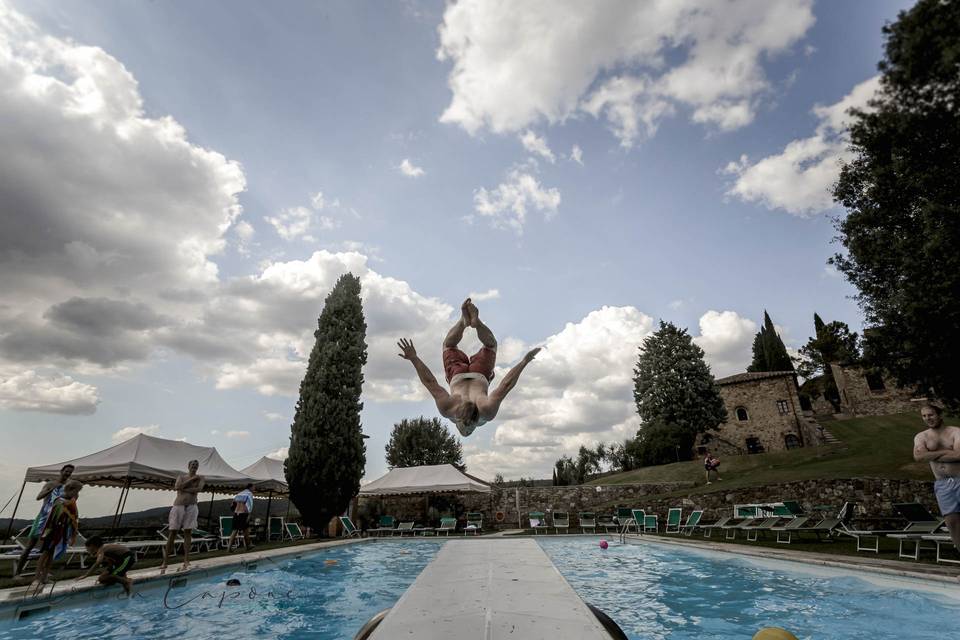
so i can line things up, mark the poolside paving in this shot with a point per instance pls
(490, 589)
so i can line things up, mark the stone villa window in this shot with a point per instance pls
(792, 441)
(782, 407)
(742, 414)
(875, 381)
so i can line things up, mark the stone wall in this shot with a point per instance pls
(765, 420)
(876, 497)
(858, 399)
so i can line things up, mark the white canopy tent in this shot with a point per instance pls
(437, 478)
(144, 462)
(271, 478)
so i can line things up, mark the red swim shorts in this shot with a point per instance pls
(456, 362)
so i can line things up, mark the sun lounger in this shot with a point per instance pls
(200, 540)
(650, 523)
(538, 521)
(731, 528)
(786, 530)
(626, 518)
(386, 524)
(293, 531)
(756, 528)
(940, 540)
(474, 523)
(561, 520)
(275, 528)
(349, 531)
(404, 527)
(674, 517)
(919, 521)
(826, 527)
(226, 528)
(587, 521)
(693, 520)
(446, 526)
(607, 522)
(719, 524)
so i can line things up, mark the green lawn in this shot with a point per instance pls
(880, 447)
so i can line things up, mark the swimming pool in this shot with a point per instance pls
(658, 591)
(651, 590)
(289, 599)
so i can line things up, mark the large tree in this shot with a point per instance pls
(674, 389)
(422, 441)
(769, 352)
(833, 342)
(901, 190)
(327, 453)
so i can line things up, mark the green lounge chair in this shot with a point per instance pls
(474, 523)
(561, 520)
(386, 524)
(674, 517)
(538, 521)
(638, 517)
(587, 521)
(349, 531)
(650, 523)
(226, 528)
(693, 521)
(719, 524)
(446, 526)
(293, 531)
(275, 528)
(626, 518)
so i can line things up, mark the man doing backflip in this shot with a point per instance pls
(939, 445)
(467, 403)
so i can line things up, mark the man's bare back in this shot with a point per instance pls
(468, 403)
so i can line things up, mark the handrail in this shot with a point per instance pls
(370, 625)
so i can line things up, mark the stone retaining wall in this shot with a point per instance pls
(876, 497)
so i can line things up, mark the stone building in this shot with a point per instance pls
(763, 414)
(865, 393)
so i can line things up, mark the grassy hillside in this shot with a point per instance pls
(870, 447)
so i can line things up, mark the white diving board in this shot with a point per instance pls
(488, 590)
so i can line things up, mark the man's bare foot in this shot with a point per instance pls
(184, 566)
(163, 568)
(473, 314)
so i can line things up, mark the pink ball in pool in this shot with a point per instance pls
(603, 544)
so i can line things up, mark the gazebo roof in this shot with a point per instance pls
(438, 478)
(269, 475)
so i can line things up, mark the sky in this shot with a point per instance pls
(182, 184)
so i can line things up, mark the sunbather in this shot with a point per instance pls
(59, 531)
(183, 514)
(115, 559)
(49, 493)
(467, 402)
(939, 445)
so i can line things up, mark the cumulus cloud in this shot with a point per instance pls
(280, 454)
(128, 432)
(800, 178)
(28, 390)
(576, 154)
(727, 340)
(507, 204)
(244, 232)
(292, 223)
(489, 294)
(515, 64)
(538, 145)
(411, 170)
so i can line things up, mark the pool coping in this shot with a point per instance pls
(15, 600)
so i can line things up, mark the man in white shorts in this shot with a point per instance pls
(939, 445)
(469, 377)
(183, 514)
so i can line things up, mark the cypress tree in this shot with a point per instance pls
(769, 352)
(327, 452)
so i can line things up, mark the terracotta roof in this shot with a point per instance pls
(752, 376)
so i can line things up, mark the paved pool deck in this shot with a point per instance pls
(490, 589)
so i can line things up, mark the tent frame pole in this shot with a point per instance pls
(269, 504)
(120, 502)
(15, 507)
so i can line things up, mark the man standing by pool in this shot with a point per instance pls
(467, 402)
(49, 493)
(242, 508)
(183, 514)
(939, 445)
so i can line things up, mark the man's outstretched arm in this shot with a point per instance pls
(440, 395)
(507, 384)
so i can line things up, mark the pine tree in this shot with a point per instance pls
(833, 342)
(423, 441)
(769, 352)
(327, 453)
(673, 388)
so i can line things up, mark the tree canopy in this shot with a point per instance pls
(674, 391)
(423, 441)
(769, 352)
(831, 343)
(327, 453)
(901, 191)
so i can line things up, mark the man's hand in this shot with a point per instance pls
(531, 355)
(406, 346)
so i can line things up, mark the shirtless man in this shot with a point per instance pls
(183, 514)
(940, 446)
(467, 402)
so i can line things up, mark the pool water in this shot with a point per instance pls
(309, 597)
(656, 591)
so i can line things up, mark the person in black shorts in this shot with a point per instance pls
(242, 508)
(115, 559)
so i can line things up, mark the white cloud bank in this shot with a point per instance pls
(516, 64)
(507, 204)
(537, 145)
(800, 178)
